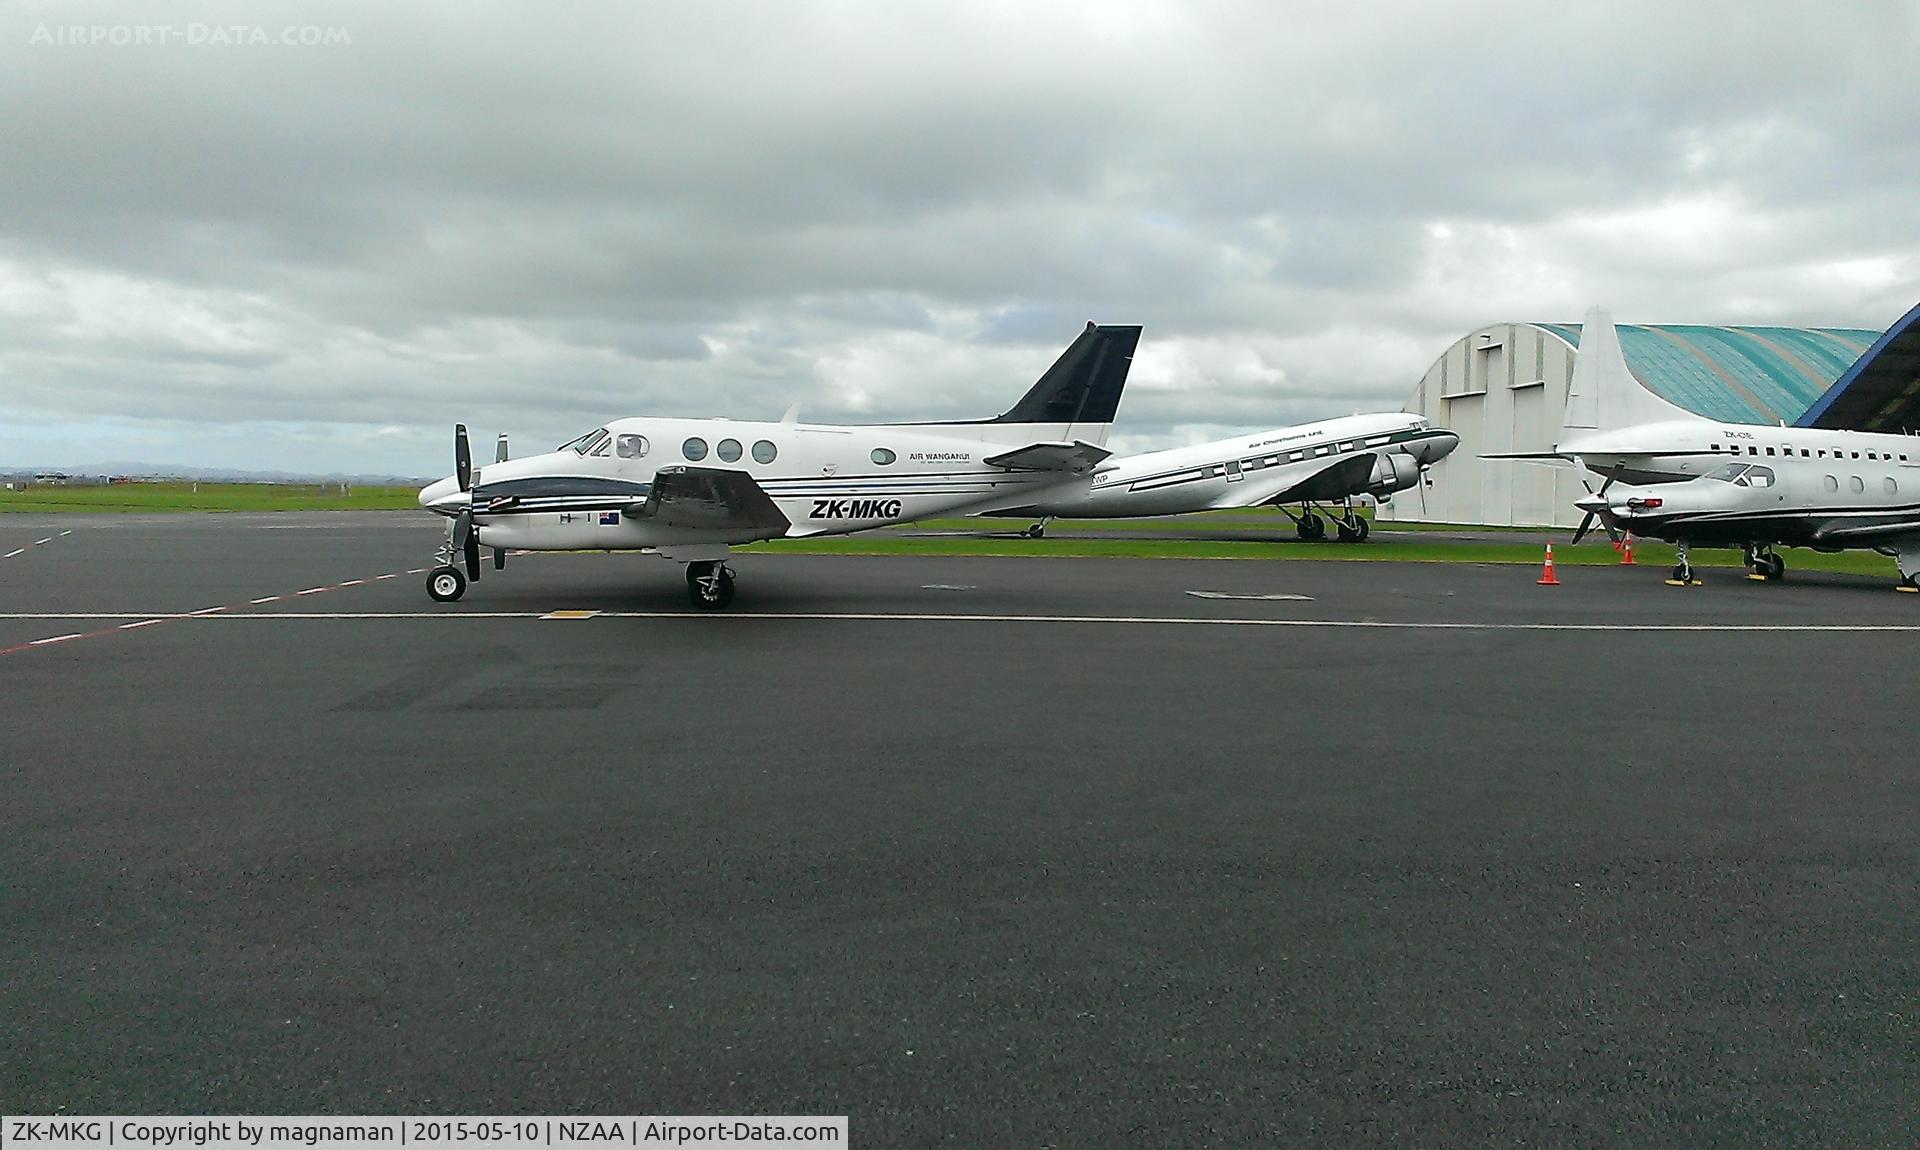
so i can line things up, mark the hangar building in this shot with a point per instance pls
(1504, 387)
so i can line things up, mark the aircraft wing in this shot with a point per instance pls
(1077, 457)
(1343, 475)
(1868, 531)
(709, 498)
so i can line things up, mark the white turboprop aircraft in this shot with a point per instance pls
(687, 489)
(1696, 480)
(1313, 464)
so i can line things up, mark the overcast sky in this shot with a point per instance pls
(219, 249)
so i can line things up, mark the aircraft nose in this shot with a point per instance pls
(436, 495)
(1436, 447)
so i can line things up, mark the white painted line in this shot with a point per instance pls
(21, 551)
(1235, 595)
(38, 542)
(416, 571)
(265, 599)
(312, 591)
(569, 614)
(948, 587)
(64, 534)
(353, 583)
(141, 623)
(206, 610)
(1134, 620)
(54, 639)
(384, 576)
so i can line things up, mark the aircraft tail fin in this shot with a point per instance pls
(1083, 386)
(1603, 394)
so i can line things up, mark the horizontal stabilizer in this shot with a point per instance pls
(709, 498)
(1077, 457)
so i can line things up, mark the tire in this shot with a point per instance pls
(1037, 531)
(1362, 527)
(1776, 568)
(1311, 528)
(446, 584)
(709, 595)
(1346, 533)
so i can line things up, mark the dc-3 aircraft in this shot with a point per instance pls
(688, 489)
(1674, 475)
(1312, 465)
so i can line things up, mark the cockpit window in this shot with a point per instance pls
(1759, 477)
(587, 442)
(1730, 472)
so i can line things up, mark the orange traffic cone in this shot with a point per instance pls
(1626, 553)
(1547, 577)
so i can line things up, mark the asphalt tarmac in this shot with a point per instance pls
(975, 851)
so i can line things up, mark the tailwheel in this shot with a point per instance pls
(446, 584)
(709, 585)
(1037, 531)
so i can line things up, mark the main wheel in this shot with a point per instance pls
(1345, 531)
(1311, 528)
(709, 585)
(1362, 527)
(1037, 531)
(445, 584)
(1775, 568)
(1682, 574)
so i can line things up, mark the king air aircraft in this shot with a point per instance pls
(688, 489)
(1846, 475)
(1321, 467)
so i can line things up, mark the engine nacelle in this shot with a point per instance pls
(1392, 473)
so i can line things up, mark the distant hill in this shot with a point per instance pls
(213, 474)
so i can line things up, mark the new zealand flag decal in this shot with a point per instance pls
(609, 519)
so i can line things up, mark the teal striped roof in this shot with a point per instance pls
(1736, 374)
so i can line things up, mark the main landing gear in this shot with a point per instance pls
(1038, 530)
(1682, 569)
(710, 584)
(1349, 525)
(1764, 564)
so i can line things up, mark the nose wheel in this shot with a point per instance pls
(446, 584)
(709, 585)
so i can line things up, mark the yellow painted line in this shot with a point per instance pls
(569, 614)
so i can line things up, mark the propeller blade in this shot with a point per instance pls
(500, 449)
(1586, 525)
(473, 555)
(462, 457)
(1611, 476)
(499, 558)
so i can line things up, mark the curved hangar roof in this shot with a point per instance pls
(1740, 374)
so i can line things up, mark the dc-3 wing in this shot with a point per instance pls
(709, 498)
(1342, 476)
(1077, 457)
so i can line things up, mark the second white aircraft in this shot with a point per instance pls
(1320, 468)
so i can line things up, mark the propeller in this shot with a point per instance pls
(1586, 521)
(500, 456)
(465, 540)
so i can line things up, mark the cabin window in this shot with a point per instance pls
(1830, 483)
(1871, 455)
(764, 451)
(1903, 457)
(882, 456)
(1856, 455)
(1769, 451)
(1889, 486)
(1713, 447)
(1805, 454)
(695, 448)
(630, 446)
(1753, 451)
(728, 450)
(1855, 484)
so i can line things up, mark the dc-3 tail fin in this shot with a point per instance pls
(1081, 391)
(1603, 394)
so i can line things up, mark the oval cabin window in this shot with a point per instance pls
(882, 456)
(728, 450)
(764, 451)
(694, 449)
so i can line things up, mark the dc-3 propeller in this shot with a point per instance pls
(466, 541)
(1586, 521)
